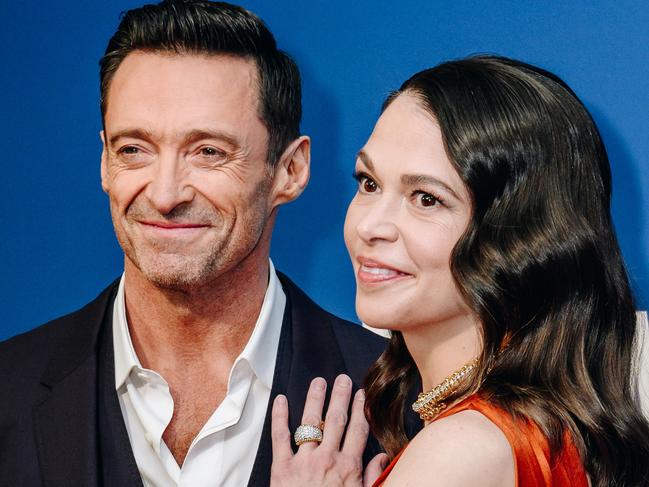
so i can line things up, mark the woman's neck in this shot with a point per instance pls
(442, 348)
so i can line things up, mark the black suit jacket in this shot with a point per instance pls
(60, 420)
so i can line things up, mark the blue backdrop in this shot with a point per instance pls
(57, 240)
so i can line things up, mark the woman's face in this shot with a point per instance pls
(410, 210)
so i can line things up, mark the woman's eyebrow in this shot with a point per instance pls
(419, 179)
(410, 179)
(365, 159)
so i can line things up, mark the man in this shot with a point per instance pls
(166, 378)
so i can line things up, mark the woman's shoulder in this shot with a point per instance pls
(476, 442)
(465, 448)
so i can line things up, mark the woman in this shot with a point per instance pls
(481, 235)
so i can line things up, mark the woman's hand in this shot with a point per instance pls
(326, 463)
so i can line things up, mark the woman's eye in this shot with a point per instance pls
(367, 184)
(426, 200)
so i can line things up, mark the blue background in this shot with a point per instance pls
(57, 241)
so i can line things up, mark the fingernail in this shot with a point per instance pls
(318, 383)
(280, 399)
(343, 380)
(360, 395)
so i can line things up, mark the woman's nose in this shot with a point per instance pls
(378, 222)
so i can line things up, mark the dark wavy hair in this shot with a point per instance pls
(539, 265)
(212, 28)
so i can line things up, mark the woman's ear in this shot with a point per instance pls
(291, 172)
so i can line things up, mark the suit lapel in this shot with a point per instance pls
(117, 461)
(316, 353)
(65, 428)
(260, 474)
(66, 420)
(307, 349)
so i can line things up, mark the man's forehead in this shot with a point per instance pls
(178, 74)
(179, 98)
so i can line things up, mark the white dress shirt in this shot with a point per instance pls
(223, 452)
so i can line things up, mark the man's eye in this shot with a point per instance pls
(133, 156)
(211, 152)
(129, 150)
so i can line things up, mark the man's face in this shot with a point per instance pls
(184, 165)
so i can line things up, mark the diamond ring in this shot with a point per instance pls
(308, 432)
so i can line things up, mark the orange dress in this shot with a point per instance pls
(532, 459)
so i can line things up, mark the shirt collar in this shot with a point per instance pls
(260, 352)
(125, 356)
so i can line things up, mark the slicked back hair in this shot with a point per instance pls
(212, 28)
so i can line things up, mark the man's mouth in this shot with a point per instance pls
(172, 225)
(172, 230)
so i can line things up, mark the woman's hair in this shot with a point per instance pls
(539, 265)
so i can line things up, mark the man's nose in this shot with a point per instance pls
(168, 187)
(379, 222)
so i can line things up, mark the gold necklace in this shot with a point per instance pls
(429, 404)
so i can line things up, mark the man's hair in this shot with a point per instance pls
(212, 28)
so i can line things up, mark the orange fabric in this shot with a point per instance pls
(530, 448)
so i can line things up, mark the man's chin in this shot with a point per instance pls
(175, 282)
(177, 275)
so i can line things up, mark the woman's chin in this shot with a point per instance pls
(376, 320)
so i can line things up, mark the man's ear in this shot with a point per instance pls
(292, 171)
(104, 162)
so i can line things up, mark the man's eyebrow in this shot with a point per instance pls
(200, 134)
(423, 179)
(133, 133)
(191, 136)
(362, 155)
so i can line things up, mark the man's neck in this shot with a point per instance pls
(176, 332)
(192, 338)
